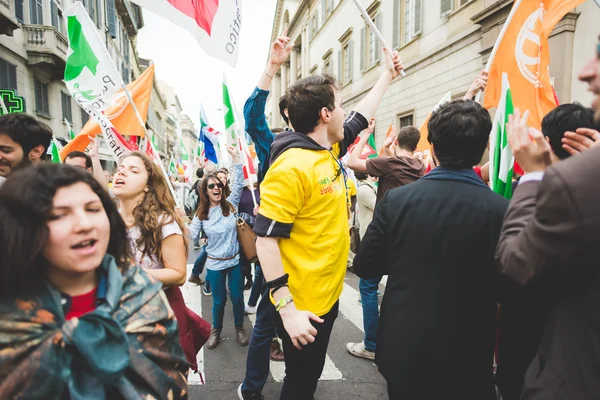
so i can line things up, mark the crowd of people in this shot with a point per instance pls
(91, 268)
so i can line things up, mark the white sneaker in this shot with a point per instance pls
(358, 350)
(249, 310)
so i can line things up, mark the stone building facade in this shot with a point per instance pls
(443, 44)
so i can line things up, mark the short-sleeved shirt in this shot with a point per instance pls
(394, 172)
(150, 261)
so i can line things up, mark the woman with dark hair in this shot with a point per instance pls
(77, 318)
(223, 175)
(157, 242)
(216, 218)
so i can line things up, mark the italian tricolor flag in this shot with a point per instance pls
(501, 158)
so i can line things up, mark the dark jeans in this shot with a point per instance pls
(303, 368)
(200, 261)
(259, 350)
(256, 285)
(217, 280)
(368, 294)
(246, 266)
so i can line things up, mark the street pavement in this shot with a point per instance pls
(345, 377)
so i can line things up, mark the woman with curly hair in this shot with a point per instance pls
(156, 234)
(78, 319)
(216, 218)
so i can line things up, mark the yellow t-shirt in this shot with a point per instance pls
(351, 187)
(306, 189)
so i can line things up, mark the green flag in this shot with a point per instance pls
(230, 131)
(90, 74)
(501, 158)
(184, 154)
(373, 145)
(172, 168)
(71, 133)
(55, 152)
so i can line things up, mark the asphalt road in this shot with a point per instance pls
(345, 377)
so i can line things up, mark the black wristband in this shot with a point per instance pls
(282, 280)
(277, 288)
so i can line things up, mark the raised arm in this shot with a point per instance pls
(354, 161)
(98, 172)
(254, 109)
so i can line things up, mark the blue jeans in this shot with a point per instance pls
(200, 261)
(256, 285)
(259, 350)
(217, 280)
(368, 293)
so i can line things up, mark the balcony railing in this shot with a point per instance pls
(46, 45)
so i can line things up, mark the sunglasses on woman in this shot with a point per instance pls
(212, 185)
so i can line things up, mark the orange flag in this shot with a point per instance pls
(121, 114)
(387, 134)
(523, 53)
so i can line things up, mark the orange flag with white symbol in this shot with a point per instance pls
(523, 53)
(121, 114)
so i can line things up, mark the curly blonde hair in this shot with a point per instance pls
(156, 209)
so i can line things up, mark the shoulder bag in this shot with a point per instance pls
(246, 237)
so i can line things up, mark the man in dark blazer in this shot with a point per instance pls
(552, 229)
(436, 239)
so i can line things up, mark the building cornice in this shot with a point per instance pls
(298, 15)
(491, 11)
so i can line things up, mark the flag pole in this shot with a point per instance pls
(374, 29)
(143, 125)
(597, 2)
(499, 40)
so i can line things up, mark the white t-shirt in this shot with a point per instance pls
(152, 261)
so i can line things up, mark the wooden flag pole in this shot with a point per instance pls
(376, 31)
(499, 40)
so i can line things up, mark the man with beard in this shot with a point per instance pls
(23, 142)
(551, 230)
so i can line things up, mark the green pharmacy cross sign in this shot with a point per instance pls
(13, 103)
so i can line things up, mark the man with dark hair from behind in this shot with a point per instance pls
(564, 121)
(80, 159)
(394, 170)
(436, 239)
(24, 141)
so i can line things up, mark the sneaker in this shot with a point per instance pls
(358, 350)
(206, 290)
(379, 294)
(195, 280)
(242, 336)
(248, 395)
(249, 310)
(196, 247)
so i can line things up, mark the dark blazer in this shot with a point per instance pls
(436, 240)
(553, 227)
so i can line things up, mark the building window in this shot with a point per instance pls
(406, 120)
(19, 12)
(448, 6)
(57, 17)
(370, 48)
(125, 74)
(299, 63)
(111, 18)
(345, 62)
(93, 9)
(8, 75)
(326, 9)
(41, 98)
(328, 64)
(36, 14)
(84, 117)
(67, 111)
(411, 19)
(313, 27)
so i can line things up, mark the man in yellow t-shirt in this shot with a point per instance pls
(302, 225)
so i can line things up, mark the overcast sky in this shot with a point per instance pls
(196, 77)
